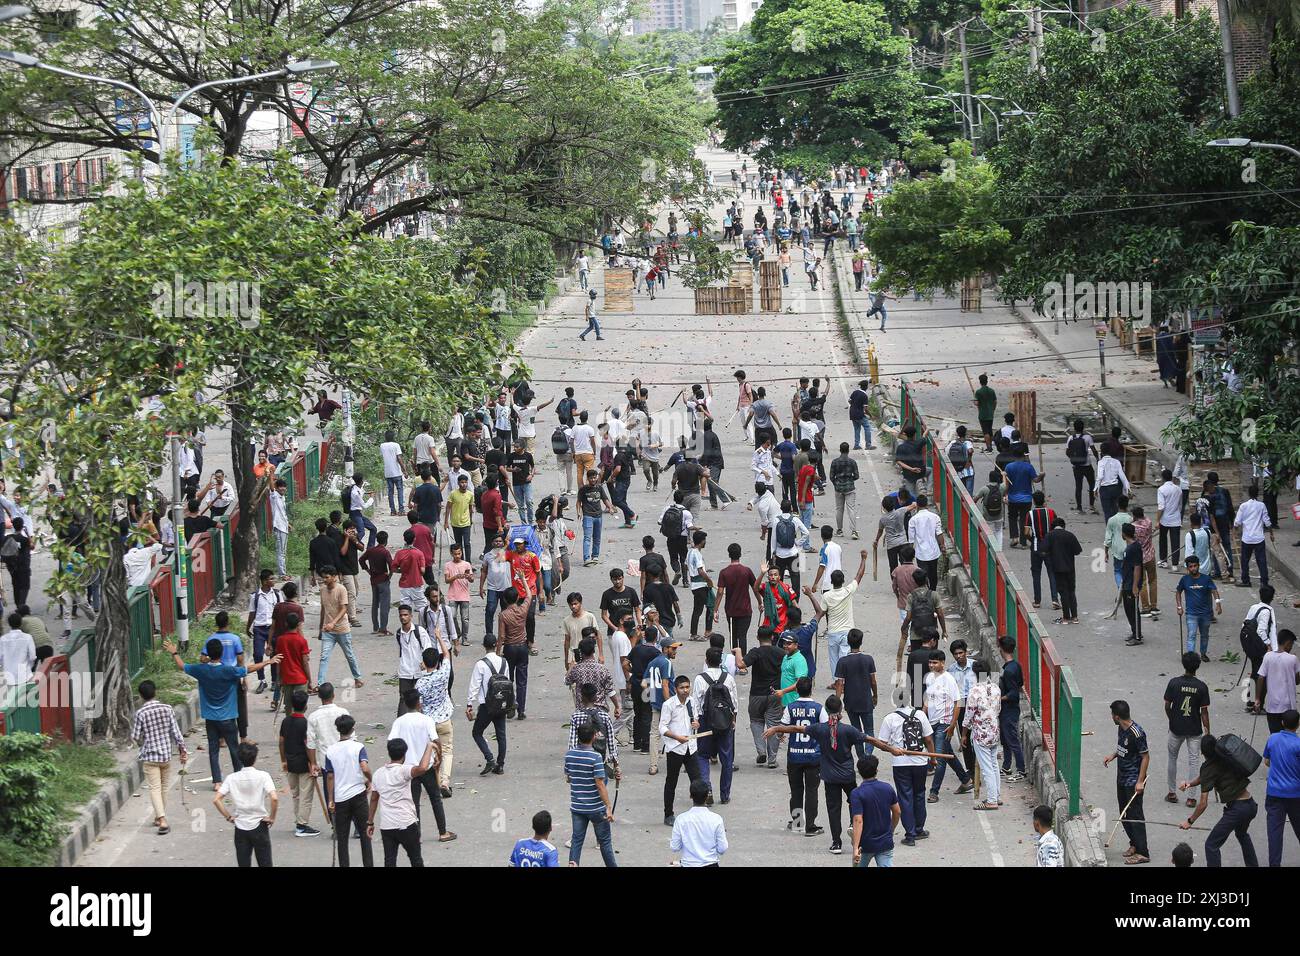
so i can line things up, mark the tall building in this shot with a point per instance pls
(663, 15)
(736, 13)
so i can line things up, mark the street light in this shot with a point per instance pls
(1241, 142)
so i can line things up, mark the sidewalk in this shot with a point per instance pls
(1142, 406)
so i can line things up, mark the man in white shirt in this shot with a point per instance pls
(347, 779)
(1264, 616)
(1111, 483)
(829, 560)
(837, 607)
(1277, 680)
(249, 790)
(322, 730)
(769, 510)
(584, 446)
(699, 834)
(527, 415)
(719, 744)
(394, 471)
(678, 725)
(1169, 502)
(584, 267)
(909, 772)
(139, 563)
(489, 665)
(764, 471)
(943, 705)
(1252, 519)
(412, 639)
(924, 531)
(280, 526)
(219, 496)
(419, 733)
(425, 451)
(17, 653)
(396, 787)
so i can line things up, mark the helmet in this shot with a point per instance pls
(592, 293)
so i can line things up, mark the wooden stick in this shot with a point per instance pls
(1042, 484)
(970, 382)
(875, 562)
(1161, 823)
(702, 733)
(927, 753)
(1121, 818)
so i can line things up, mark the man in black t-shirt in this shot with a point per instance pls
(1131, 583)
(520, 464)
(618, 602)
(652, 564)
(687, 478)
(658, 593)
(495, 464)
(195, 523)
(1011, 682)
(763, 662)
(1187, 705)
(426, 499)
(855, 683)
(293, 755)
(593, 502)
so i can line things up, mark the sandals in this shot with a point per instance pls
(446, 837)
(653, 771)
(1170, 797)
(987, 806)
(1191, 801)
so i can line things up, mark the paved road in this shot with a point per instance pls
(667, 346)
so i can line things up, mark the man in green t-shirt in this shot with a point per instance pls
(986, 401)
(793, 666)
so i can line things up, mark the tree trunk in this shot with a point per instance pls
(112, 636)
(246, 542)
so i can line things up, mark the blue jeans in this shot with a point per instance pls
(969, 482)
(1118, 565)
(863, 424)
(364, 524)
(595, 819)
(785, 275)
(722, 746)
(853, 242)
(582, 278)
(873, 310)
(942, 745)
(327, 641)
(490, 608)
(620, 499)
(591, 536)
(806, 516)
(219, 730)
(1009, 729)
(883, 858)
(1277, 811)
(910, 784)
(592, 326)
(524, 502)
(1197, 624)
(398, 484)
(837, 645)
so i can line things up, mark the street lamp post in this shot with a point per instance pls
(1242, 142)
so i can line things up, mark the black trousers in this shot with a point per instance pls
(1169, 543)
(740, 631)
(675, 764)
(892, 555)
(407, 839)
(803, 778)
(428, 782)
(403, 685)
(253, 842)
(837, 796)
(1084, 473)
(1134, 818)
(790, 565)
(700, 606)
(641, 715)
(787, 488)
(481, 720)
(1131, 612)
(1065, 586)
(677, 556)
(353, 812)
(1016, 511)
(931, 569)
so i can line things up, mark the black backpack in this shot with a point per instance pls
(345, 499)
(1076, 449)
(1252, 644)
(719, 708)
(559, 441)
(923, 618)
(959, 454)
(1240, 755)
(993, 500)
(500, 696)
(670, 525)
(785, 532)
(913, 731)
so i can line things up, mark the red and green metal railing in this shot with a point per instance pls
(1052, 687)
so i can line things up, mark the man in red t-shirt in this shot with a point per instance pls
(735, 582)
(493, 511)
(294, 670)
(409, 562)
(521, 559)
(423, 537)
(804, 494)
(279, 616)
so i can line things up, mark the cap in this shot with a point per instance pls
(517, 541)
(672, 644)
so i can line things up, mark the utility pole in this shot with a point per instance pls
(1229, 61)
(181, 569)
(965, 72)
(1036, 43)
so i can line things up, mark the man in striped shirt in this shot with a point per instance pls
(589, 803)
(155, 730)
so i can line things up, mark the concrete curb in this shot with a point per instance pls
(114, 793)
(1082, 846)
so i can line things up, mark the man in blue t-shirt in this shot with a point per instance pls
(786, 450)
(803, 758)
(875, 812)
(537, 851)
(1197, 599)
(659, 677)
(1020, 495)
(218, 699)
(232, 654)
(1282, 797)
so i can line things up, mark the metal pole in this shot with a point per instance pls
(965, 71)
(1037, 54)
(1101, 355)
(1229, 60)
(180, 579)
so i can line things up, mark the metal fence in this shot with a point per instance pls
(1052, 687)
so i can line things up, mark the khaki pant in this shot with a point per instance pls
(155, 781)
(1149, 594)
(444, 742)
(529, 444)
(350, 584)
(303, 790)
(657, 747)
(583, 463)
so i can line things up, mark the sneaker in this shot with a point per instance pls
(261, 687)
(669, 818)
(1205, 658)
(855, 536)
(446, 792)
(499, 769)
(305, 831)
(836, 848)
(1015, 777)
(709, 800)
(909, 841)
(1132, 642)
(814, 831)
(922, 834)
(1162, 564)
(966, 787)
(762, 760)
(487, 768)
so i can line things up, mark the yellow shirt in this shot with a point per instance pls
(461, 503)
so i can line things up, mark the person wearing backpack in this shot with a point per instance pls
(562, 448)
(962, 455)
(1197, 599)
(1220, 773)
(1038, 523)
(491, 691)
(990, 498)
(909, 729)
(675, 522)
(714, 696)
(1082, 452)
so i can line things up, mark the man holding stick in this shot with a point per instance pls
(1133, 759)
(908, 729)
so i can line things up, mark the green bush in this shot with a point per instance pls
(26, 815)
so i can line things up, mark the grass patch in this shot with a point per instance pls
(77, 772)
